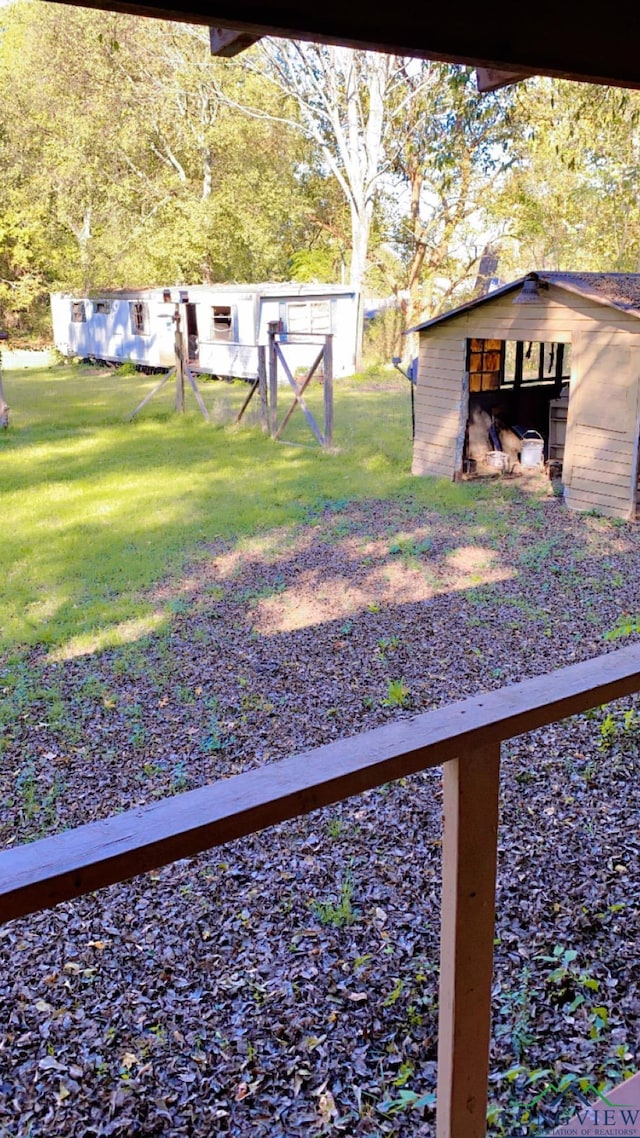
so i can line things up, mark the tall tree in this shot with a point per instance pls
(454, 148)
(345, 103)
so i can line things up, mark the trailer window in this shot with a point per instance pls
(309, 316)
(102, 306)
(78, 313)
(139, 310)
(221, 322)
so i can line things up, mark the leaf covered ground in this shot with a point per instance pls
(286, 984)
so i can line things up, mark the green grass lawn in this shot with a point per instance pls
(97, 510)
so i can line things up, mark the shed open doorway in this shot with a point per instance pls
(193, 341)
(517, 388)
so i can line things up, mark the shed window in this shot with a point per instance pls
(78, 312)
(221, 322)
(309, 316)
(529, 362)
(102, 307)
(139, 311)
(485, 364)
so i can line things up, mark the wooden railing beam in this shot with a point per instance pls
(52, 870)
(469, 856)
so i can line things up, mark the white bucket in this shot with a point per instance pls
(532, 449)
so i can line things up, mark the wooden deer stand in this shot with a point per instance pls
(276, 359)
(180, 372)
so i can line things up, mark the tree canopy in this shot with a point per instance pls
(132, 157)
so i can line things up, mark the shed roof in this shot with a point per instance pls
(615, 290)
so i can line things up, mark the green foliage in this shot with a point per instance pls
(625, 626)
(128, 162)
(126, 370)
(338, 912)
(398, 694)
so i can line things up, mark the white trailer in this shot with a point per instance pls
(222, 325)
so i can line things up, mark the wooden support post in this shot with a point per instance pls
(273, 384)
(179, 353)
(298, 392)
(147, 399)
(196, 391)
(262, 387)
(252, 391)
(4, 406)
(466, 946)
(328, 391)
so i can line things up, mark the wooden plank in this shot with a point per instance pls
(492, 79)
(43, 873)
(196, 391)
(298, 401)
(444, 452)
(424, 467)
(444, 387)
(262, 387)
(591, 475)
(444, 457)
(557, 42)
(463, 415)
(583, 499)
(252, 391)
(434, 416)
(154, 391)
(469, 856)
(445, 449)
(588, 458)
(327, 368)
(599, 440)
(601, 491)
(439, 426)
(442, 373)
(438, 413)
(605, 508)
(273, 385)
(227, 42)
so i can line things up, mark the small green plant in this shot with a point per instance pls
(335, 827)
(567, 983)
(394, 995)
(34, 802)
(620, 727)
(387, 644)
(625, 626)
(398, 694)
(338, 913)
(407, 1100)
(179, 777)
(126, 369)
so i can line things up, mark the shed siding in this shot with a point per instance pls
(604, 406)
(600, 468)
(439, 403)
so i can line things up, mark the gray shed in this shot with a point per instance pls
(552, 353)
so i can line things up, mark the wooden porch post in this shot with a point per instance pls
(466, 946)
